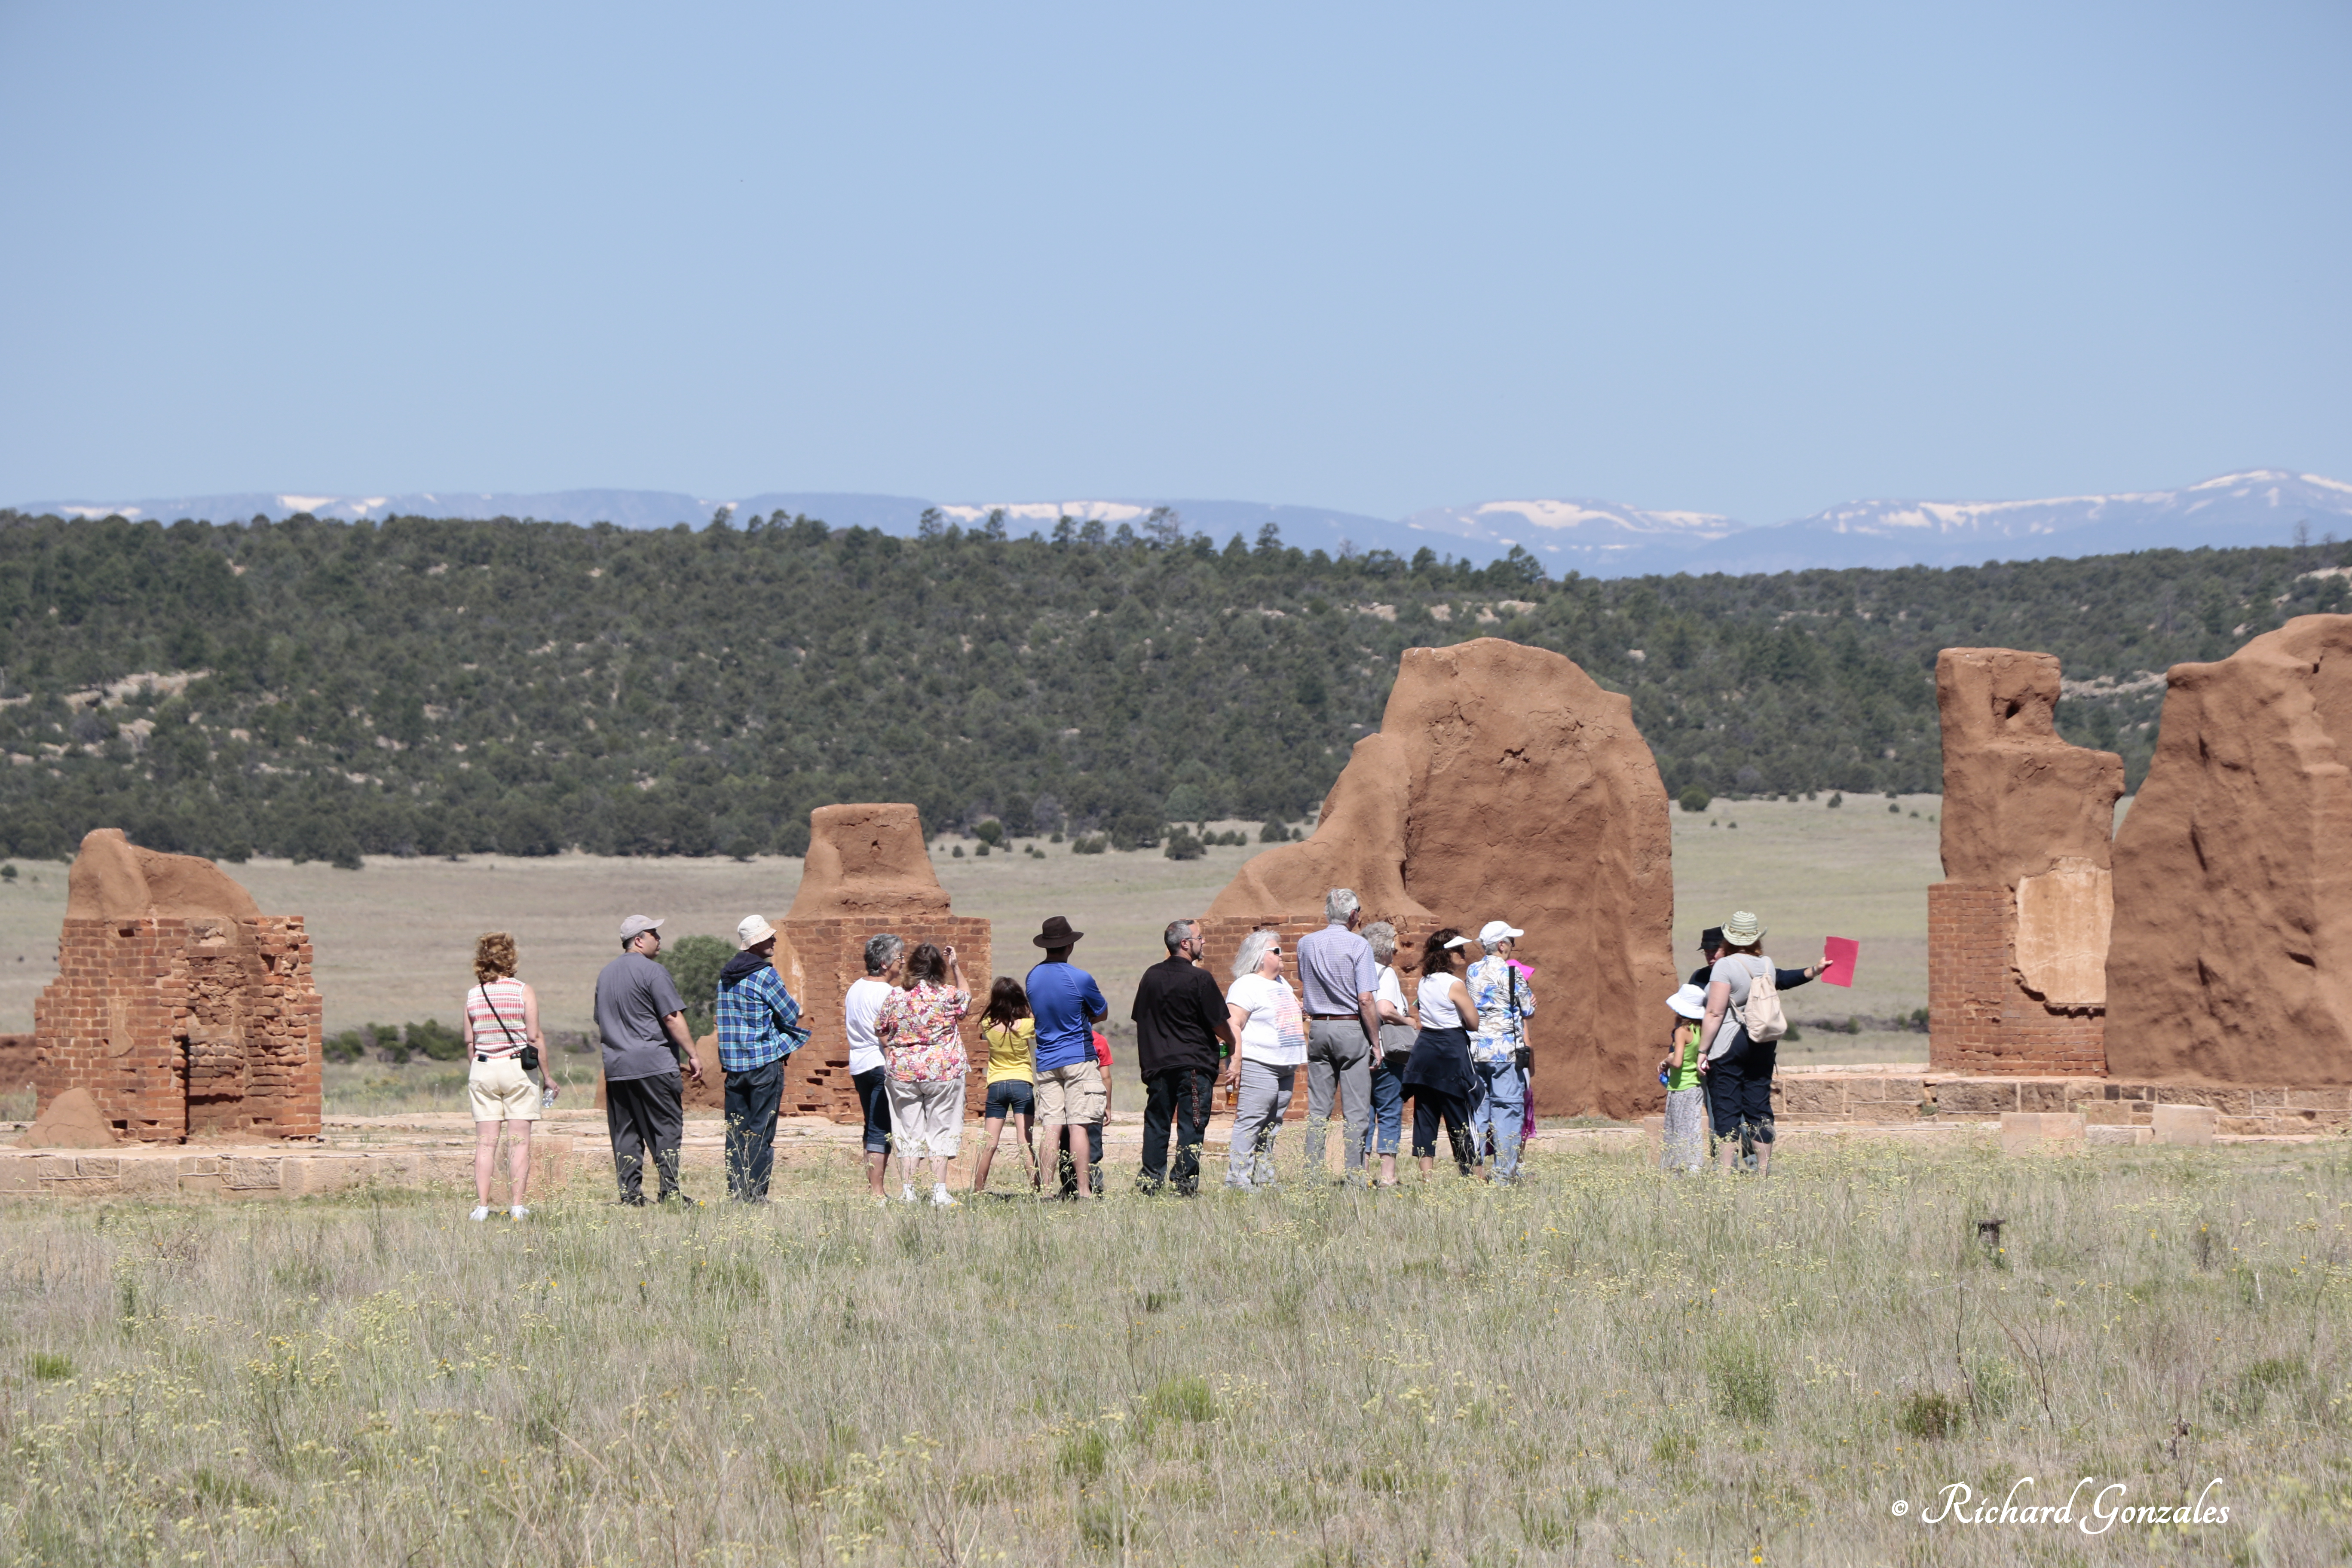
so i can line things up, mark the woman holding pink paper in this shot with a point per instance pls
(1739, 1066)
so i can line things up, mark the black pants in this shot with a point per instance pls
(1179, 1095)
(752, 1099)
(1739, 1089)
(1094, 1161)
(645, 1113)
(1428, 1106)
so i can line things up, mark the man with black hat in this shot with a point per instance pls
(1066, 1004)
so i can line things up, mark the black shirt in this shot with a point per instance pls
(1177, 1010)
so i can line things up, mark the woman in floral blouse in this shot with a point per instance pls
(918, 1031)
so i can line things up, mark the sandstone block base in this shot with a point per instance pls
(2040, 1132)
(2190, 1126)
(2113, 1134)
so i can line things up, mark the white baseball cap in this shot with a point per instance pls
(752, 930)
(1493, 931)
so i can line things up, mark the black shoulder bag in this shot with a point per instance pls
(528, 1057)
(1523, 1059)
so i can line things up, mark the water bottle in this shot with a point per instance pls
(547, 1097)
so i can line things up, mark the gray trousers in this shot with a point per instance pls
(1265, 1095)
(1338, 1056)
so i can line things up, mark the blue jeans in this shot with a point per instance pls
(1387, 1111)
(1499, 1105)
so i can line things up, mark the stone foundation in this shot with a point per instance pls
(1875, 1094)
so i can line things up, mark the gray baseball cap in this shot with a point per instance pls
(637, 925)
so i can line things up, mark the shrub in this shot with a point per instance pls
(1695, 799)
(1182, 845)
(1084, 846)
(694, 963)
(991, 832)
(1185, 1398)
(957, 852)
(1134, 830)
(1274, 833)
(980, 852)
(1739, 1374)
(1929, 1415)
(1836, 801)
(348, 1046)
(437, 1041)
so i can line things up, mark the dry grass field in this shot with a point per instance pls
(1601, 1366)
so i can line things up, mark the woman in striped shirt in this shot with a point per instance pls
(502, 1018)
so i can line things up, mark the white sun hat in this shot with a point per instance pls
(1690, 1002)
(754, 931)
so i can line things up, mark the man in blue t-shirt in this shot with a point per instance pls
(1066, 1004)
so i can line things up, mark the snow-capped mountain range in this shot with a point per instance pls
(1597, 538)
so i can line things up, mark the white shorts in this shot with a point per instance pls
(501, 1091)
(927, 1118)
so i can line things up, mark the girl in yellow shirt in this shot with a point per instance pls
(1010, 1036)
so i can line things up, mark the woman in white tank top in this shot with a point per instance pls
(1438, 1074)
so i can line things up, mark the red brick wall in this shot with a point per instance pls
(1981, 1019)
(180, 1026)
(833, 958)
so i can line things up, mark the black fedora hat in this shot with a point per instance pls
(1711, 937)
(1058, 933)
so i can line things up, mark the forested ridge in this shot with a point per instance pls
(429, 686)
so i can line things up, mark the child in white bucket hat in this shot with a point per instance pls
(1683, 1147)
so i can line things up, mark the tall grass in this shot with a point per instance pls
(1599, 1366)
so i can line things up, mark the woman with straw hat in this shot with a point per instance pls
(1739, 1068)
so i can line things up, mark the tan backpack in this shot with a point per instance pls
(1761, 1017)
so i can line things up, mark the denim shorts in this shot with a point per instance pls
(1008, 1097)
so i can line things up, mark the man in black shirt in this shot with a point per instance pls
(1180, 1018)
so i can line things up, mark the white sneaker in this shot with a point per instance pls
(907, 1196)
(481, 1212)
(943, 1199)
(520, 1211)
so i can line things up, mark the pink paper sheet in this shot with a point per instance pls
(1839, 953)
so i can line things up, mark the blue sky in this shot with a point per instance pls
(1739, 259)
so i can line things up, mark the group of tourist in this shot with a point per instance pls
(1459, 1051)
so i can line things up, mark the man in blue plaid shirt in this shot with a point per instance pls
(758, 1029)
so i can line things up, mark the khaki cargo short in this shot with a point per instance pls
(1070, 1096)
(501, 1091)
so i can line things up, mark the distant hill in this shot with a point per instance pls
(323, 689)
(1594, 538)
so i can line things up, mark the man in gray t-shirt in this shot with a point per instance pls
(1338, 980)
(642, 1023)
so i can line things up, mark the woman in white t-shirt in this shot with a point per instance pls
(1271, 1029)
(1439, 1074)
(1387, 1064)
(885, 960)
